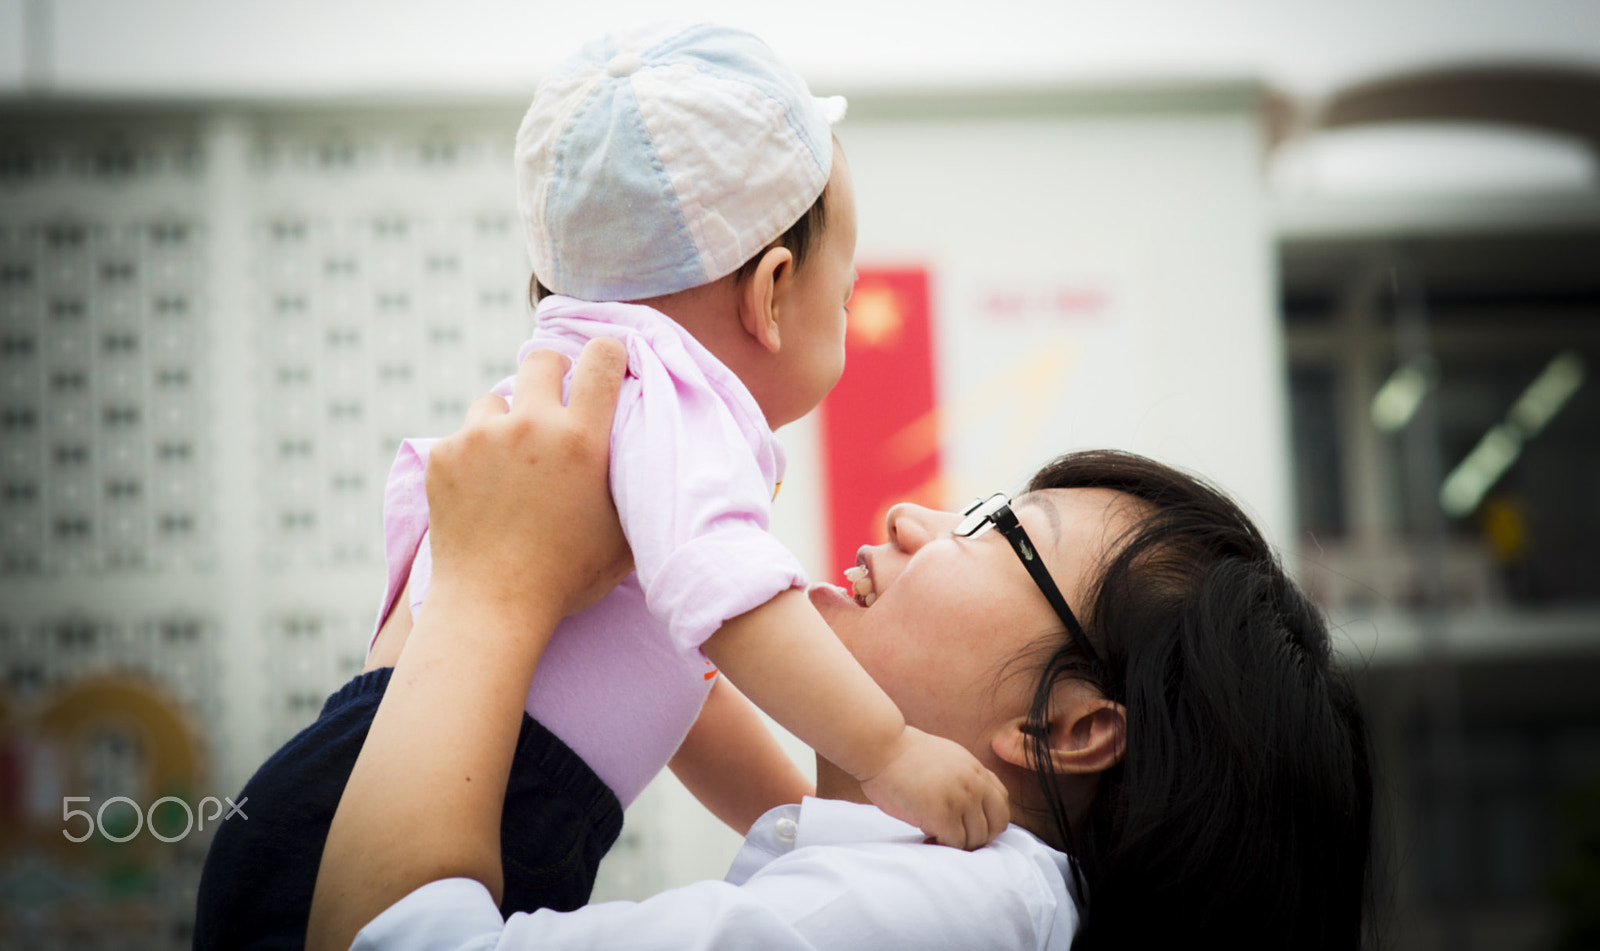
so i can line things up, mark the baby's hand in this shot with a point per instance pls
(936, 785)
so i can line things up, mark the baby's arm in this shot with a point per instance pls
(732, 763)
(785, 658)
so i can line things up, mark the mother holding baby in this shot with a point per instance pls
(1114, 659)
(1118, 644)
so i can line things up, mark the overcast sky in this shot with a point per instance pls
(335, 47)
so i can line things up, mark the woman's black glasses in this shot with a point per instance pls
(996, 511)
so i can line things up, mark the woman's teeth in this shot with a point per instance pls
(860, 585)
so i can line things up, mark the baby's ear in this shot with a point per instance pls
(761, 297)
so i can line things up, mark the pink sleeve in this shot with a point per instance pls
(694, 504)
(405, 519)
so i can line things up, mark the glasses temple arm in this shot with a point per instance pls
(1012, 530)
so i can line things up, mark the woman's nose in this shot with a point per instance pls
(911, 526)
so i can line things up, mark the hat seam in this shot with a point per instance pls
(792, 117)
(694, 259)
(696, 203)
(772, 87)
(548, 175)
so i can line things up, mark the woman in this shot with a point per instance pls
(1188, 744)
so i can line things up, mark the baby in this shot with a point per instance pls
(682, 192)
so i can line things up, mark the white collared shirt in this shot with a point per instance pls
(822, 875)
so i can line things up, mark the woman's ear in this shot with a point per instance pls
(1086, 734)
(761, 298)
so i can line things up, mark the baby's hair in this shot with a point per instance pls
(800, 238)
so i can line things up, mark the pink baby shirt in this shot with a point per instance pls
(693, 471)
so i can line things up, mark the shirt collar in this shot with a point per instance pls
(815, 822)
(624, 318)
(836, 822)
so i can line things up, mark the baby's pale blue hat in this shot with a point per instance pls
(662, 159)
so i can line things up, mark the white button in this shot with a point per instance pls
(786, 829)
(623, 64)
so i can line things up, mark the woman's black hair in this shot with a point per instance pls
(800, 238)
(1241, 810)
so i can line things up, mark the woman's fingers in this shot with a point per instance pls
(538, 383)
(486, 407)
(596, 382)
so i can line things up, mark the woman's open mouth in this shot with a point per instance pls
(860, 585)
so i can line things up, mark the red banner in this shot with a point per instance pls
(880, 431)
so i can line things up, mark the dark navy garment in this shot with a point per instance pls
(255, 891)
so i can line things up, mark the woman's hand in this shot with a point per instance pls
(523, 534)
(527, 486)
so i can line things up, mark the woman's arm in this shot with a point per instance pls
(523, 534)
